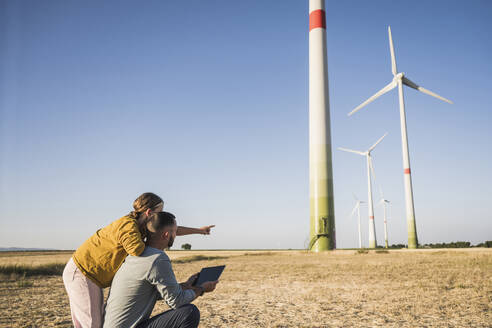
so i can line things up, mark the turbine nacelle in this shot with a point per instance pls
(399, 76)
(357, 206)
(367, 152)
(382, 201)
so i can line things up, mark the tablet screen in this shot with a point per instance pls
(209, 274)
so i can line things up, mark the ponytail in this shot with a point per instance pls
(144, 202)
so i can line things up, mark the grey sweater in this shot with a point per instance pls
(139, 282)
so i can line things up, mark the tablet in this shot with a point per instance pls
(209, 274)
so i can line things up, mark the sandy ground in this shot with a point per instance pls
(443, 288)
(39, 258)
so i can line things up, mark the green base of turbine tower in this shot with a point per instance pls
(373, 245)
(322, 232)
(324, 241)
(412, 235)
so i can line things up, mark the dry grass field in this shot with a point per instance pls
(424, 288)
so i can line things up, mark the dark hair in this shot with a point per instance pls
(160, 220)
(144, 202)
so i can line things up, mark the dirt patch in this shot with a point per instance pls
(302, 289)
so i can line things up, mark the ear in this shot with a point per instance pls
(165, 234)
(148, 212)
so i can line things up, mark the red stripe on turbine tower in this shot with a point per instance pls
(406, 171)
(317, 18)
(371, 217)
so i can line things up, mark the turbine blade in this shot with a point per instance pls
(355, 197)
(352, 151)
(381, 92)
(353, 211)
(421, 89)
(379, 140)
(392, 50)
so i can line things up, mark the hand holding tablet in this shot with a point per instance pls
(209, 274)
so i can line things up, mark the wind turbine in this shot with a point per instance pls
(385, 202)
(398, 80)
(357, 208)
(367, 153)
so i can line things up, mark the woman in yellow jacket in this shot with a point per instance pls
(94, 264)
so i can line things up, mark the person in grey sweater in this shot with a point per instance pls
(142, 280)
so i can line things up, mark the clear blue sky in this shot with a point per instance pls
(206, 104)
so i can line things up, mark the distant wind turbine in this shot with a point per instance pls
(372, 227)
(357, 208)
(398, 80)
(385, 202)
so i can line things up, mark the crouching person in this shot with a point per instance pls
(142, 280)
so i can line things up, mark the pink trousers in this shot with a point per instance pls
(86, 298)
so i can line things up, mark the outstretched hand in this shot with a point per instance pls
(206, 230)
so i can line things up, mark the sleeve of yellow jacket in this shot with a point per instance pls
(130, 238)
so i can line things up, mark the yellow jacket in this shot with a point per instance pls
(101, 255)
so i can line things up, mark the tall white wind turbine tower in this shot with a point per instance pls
(358, 203)
(398, 80)
(367, 154)
(385, 202)
(322, 213)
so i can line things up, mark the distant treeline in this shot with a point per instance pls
(454, 244)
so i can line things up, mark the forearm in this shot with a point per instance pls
(162, 277)
(199, 291)
(182, 231)
(175, 300)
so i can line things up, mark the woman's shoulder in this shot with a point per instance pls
(124, 221)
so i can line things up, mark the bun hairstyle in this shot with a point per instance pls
(143, 203)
